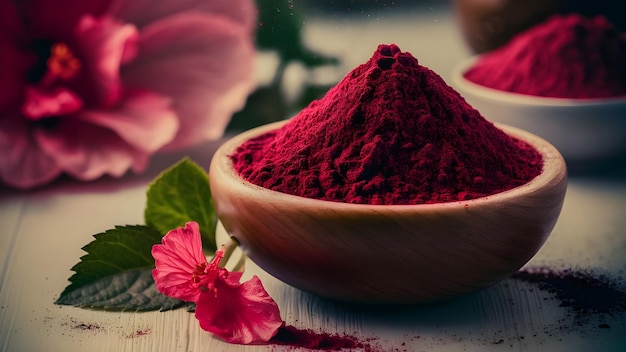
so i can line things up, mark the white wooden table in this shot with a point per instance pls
(42, 231)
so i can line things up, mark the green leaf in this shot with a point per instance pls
(179, 195)
(116, 272)
(130, 290)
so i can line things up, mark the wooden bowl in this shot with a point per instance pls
(388, 253)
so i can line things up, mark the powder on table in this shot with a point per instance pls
(391, 132)
(294, 337)
(585, 292)
(565, 57)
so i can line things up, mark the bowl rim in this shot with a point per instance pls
(554, 172)
(470, 87)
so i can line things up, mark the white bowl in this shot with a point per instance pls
(583, 130)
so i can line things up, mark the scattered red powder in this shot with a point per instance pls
(567, 56)
(391, 132)
(139, 333)
(584, 292)
(304, 338)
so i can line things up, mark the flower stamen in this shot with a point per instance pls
(198, 271)
(62, 62)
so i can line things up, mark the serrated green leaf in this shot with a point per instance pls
(132, 290)
(115, 272)
(179, 195)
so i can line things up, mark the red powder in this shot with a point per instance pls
(292, 336)
(565, 57)
(585, 292)
(391, 132)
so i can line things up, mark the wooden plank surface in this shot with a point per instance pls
(49, 228)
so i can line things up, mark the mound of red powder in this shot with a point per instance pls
(390, 132)
(565, 57)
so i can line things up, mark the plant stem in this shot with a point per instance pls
(229, 248)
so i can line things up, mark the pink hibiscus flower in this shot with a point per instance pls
(95, 87)
(237, 312)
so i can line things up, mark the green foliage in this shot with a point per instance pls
(115, 274)
(280, 30)
(179, 195)
(280, 24)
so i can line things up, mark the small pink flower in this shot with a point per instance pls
(180, 263)
(95, 87)
(237, 312)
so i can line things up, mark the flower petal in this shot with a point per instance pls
(40, 103)
(143, 12)
(103, 45)
(91, 144)
(22, 163)
(176, 260)
(204, 63)
(87, 152)
(145, 120)
(239, 313)
(14, 61)
(51, 20)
